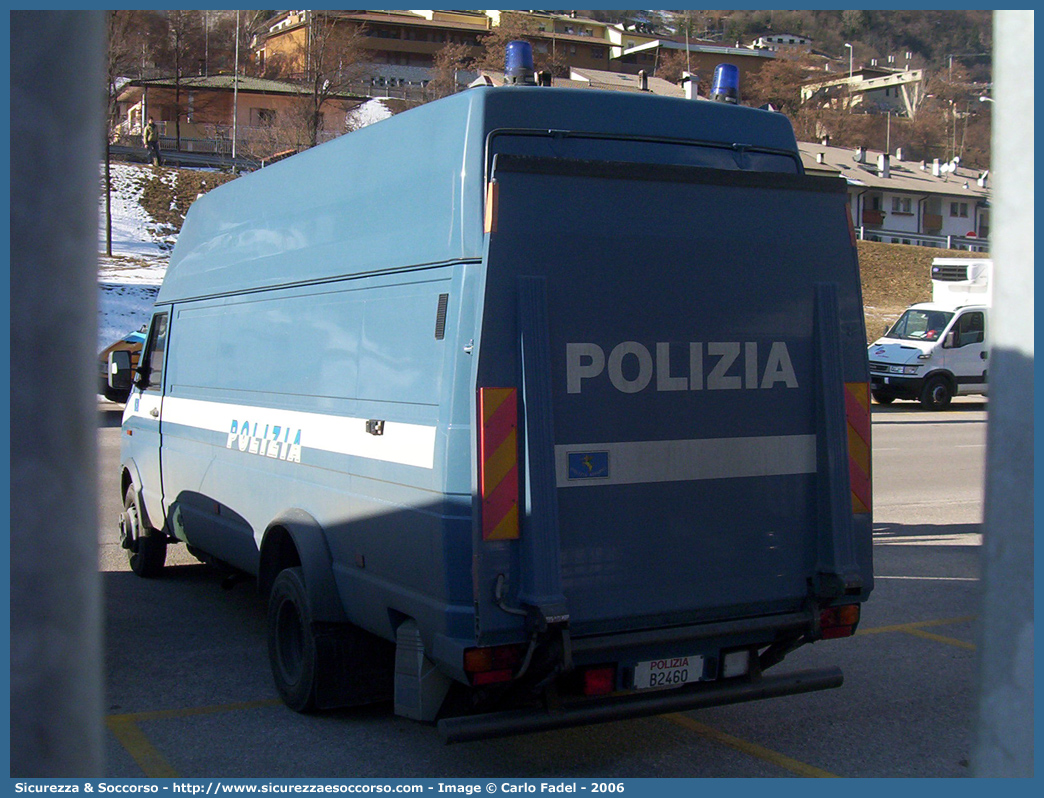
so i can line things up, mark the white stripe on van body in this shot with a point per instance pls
(638, 462)
(405, 444)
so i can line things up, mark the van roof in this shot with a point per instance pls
(409, 190)
(948, 308)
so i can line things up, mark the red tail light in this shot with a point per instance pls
(839, 621)
(493, 664)
(600, 680)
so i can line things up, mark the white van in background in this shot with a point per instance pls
(938, 349)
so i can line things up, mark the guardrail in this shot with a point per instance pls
(216, 160)
(923, 240)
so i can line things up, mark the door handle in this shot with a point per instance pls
(154, 412)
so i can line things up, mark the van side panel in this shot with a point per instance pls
(396, 195)
(325, 400)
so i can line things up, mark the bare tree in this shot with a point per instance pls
(285, 133)
(778, 82)
(554, 61)
(333, 57)
(688, 24)
(512, 27)
(125, 43)
(221, 56)
(927, 134)
(671, 66)
(448, 61)
(185, 38)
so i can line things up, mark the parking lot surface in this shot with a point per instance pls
(189, 694)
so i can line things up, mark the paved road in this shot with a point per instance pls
(189, 691)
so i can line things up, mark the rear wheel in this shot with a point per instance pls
(291, 641)
(146, 547)
(936, 394)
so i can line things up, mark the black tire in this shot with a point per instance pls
(291, 641)
(883, 398)
(146, 547)
(936, 394)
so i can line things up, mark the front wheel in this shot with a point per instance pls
(146, 547)
(936, 394)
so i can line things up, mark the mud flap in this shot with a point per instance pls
(353, 667)
(420, 688)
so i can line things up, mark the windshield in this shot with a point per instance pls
(920, 325)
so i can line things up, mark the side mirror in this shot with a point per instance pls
(951, 337)
(120, 374)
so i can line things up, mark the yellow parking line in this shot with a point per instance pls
(134, 741)
(940, 638)
(165, 714)
(753, 749)
(917, 629)
(906, 627)
(152, 763)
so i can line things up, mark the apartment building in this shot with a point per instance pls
(400, 45)
(869, 89)
(900, 201)
(567, 40)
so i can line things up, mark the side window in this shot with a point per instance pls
(970, 329)
(151, 366)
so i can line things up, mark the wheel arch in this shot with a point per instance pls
(131, 476)
(946, 374)
(295, 538)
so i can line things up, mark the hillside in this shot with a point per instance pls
(168, 193)
(931, 36)
(895, 276)
(148, 207)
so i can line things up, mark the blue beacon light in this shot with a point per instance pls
(518, 63)
(725, 87)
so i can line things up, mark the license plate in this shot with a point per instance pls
(670, 672)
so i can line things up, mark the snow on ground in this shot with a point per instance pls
(134, 236)
(129, 280)
(366, 114)
(122, 309)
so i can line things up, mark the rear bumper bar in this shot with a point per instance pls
(501, 724)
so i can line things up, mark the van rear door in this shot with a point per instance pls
(683, 442)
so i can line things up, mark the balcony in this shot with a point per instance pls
(932, 222)
(873, 218)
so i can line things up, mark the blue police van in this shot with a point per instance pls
(527, 408)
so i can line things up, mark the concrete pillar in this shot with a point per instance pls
(1004, 728)
(57, 138)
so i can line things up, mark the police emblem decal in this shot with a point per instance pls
(588, 465)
